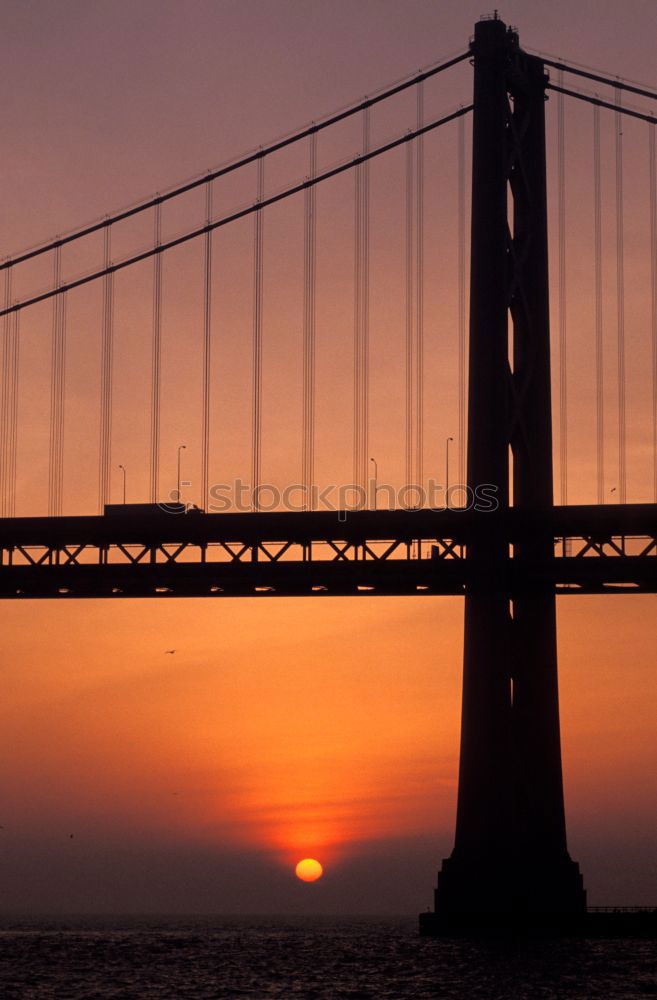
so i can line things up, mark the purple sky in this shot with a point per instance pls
(106, 102)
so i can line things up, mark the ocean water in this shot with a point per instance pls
(319, 959)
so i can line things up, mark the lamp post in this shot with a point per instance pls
(122, 468)
(447, 441)
(376, 479)
(181, 447)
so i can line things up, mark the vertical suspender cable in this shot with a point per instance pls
(156, 358)
(461, 302)
(361, 314)
(57, 392)
(358, 235)
(652, 166)
(257, 340)
(599, 348)
(9, 408)
(61, 401)
(311, 317)
(308, 444)
(409, 313)
(620, 303)
(563, 342)
(53, 370)
(5, 435)
(106, 366)
(365, 302)
(13, 417)
(207, 345)
(419, 292)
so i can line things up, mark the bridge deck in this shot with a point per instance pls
(597, 549)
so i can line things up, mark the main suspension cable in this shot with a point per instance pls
(598, 102)
(617, 83)
(244, 161)
(241, 213)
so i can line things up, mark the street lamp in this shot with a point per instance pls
(122, 468)
(376, 479)
(447, 470)
(181, 447)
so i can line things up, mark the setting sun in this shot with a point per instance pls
(309, 870)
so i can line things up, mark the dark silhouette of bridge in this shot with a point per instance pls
(590, 550)
(508, 562)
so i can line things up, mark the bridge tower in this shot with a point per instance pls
(510, 854)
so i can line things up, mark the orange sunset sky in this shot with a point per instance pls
(135, 781)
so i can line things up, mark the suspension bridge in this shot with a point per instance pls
(232, 350)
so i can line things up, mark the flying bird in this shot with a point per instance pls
(172, 651)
